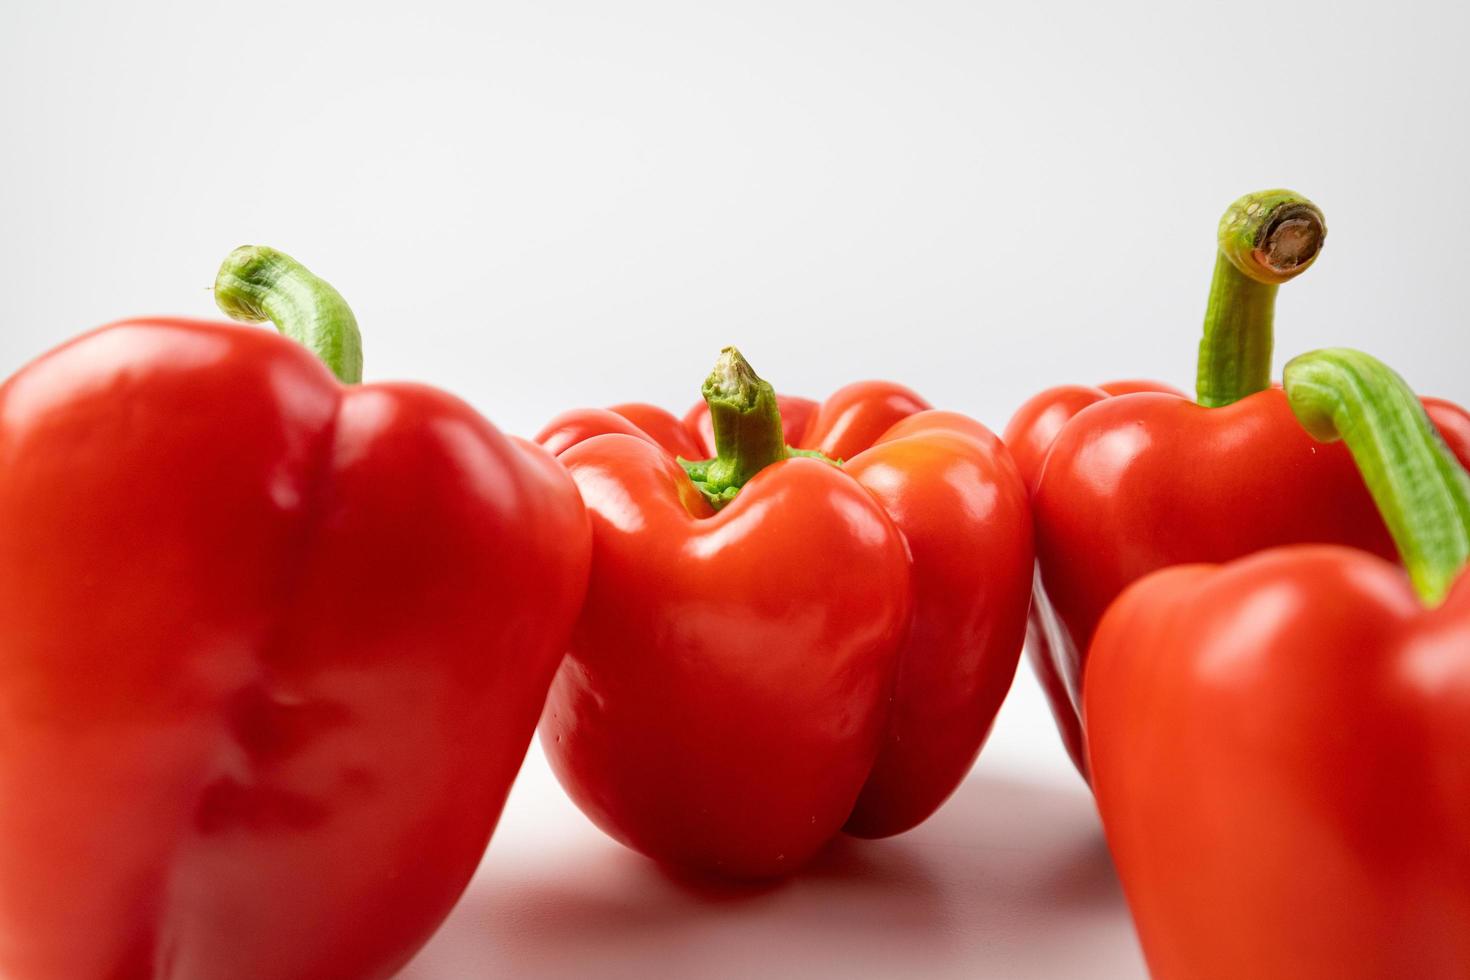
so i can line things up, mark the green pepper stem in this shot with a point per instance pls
(256, 284)
(1265, 239)
(748, 433)
(747, 424)
(1420, 488)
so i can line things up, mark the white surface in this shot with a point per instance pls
(538, 205)
(1010, 879)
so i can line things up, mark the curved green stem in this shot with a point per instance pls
(1266, 238)
(748, 433)
(1420, 488)
(256, 284)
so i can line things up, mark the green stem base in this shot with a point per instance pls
(718, 493)
(748, 433)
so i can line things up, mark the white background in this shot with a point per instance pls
(538, 205)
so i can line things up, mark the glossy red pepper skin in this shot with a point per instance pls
(1123, 485)
(1035, 425)
(271, 652)
(578, 424)
(1281, 759)
(826, 653)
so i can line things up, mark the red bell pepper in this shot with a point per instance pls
(775, 648)
(1280, 746)
(272, 646)
(1133, 476)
